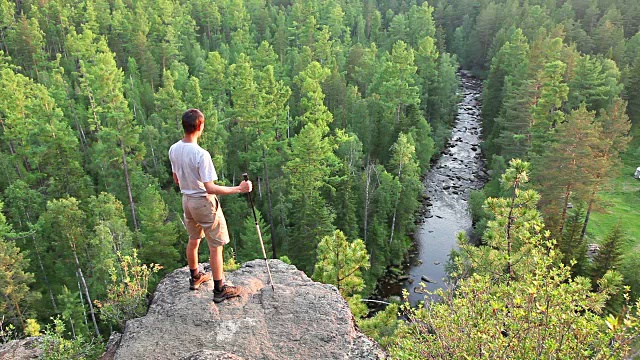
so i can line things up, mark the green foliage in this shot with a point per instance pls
(609, 254)
(358, 308)
(230, 264)
(56, 347)
(16, 295)
(127, 293)
(516, 293)
(340, 262)
(628, 269)
(7, 332)
(572, 244)
(73, 313)
(158, 234)
(32, 328)
(382, 326)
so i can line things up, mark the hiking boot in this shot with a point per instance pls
(227, 292)
(195, 282)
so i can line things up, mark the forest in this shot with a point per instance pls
(336, 109)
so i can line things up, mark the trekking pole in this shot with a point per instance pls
(264, 253)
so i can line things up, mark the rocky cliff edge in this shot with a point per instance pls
(302, 319)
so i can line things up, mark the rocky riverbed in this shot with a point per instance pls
(459, 169)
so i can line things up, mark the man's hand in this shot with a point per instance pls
(246, 186)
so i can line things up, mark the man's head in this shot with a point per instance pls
(192, 120)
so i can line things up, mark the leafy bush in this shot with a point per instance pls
(56, 347)
(127, 293)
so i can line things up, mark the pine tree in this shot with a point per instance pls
(25, 43)
(406, 169)
(312, 161)
(564, 170)
(609, 254)
(396, 87)
(572, 245)
(595, 82)
(510, 61)
(108, 236)
(116, 150)
(340, 262)
(16, 295)
(24, 206)
(632, 86)
(7, 13)
(546, 114)
(43, 149)
(73, 312)
(159, 235)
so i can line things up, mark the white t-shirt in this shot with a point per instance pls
(193, 166)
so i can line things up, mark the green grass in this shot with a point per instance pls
(621, 204)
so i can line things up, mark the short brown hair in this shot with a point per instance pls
(191, 120)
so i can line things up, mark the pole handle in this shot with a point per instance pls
(245, 176)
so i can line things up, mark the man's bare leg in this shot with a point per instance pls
(217, 262)
(192, 253)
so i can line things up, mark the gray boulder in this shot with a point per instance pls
(23, 349)
(302, 319)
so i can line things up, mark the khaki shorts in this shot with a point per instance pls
(203, 217)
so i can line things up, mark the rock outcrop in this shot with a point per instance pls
(302, 319)
(23, 349)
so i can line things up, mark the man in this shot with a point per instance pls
(193, 171)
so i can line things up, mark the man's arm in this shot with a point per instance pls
(213, 188)
(175, 179)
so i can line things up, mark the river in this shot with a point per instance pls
(459, 169)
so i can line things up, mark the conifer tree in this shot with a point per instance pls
(510, 61)
(43, 154)
(396, 86)
(15, 294)
(159, 235)
(25, 44)
(595, 82)
(73, 312)
(546, 114)
(24, 205)
(312, 161)
(107, 237)
(609, 254)
(564, 170)
(406, 169)
(340, 262)
(7, 13)
(632, 86)
(572, 245)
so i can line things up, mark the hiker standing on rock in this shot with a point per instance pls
(193, 171)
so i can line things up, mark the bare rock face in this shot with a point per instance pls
(302, 319)
(21, 349)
